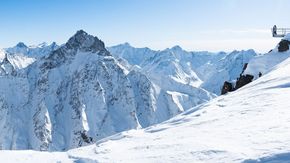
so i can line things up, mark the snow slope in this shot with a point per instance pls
(250, 125)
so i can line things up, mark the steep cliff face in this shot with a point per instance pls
(85, 92)
(145, 97)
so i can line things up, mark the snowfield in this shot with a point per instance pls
(249, 125)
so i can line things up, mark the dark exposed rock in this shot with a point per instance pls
(86, 138)
(245, 67)
(85, 42)
(227, 87)
(243, 80)
(283, 46)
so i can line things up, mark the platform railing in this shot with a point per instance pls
(280, 32)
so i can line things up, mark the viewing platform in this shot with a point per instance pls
(280, 32)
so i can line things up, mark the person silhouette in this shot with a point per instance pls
(274, 30)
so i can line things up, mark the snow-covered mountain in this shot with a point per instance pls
(179, 70)
(13, 60)
(73, 96)
(58, 98)
(35, 51)
(134, 56)
(250, 125)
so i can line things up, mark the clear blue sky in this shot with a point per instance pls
(212, 25)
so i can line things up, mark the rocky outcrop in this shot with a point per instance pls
(283, 45)
(227, 87)
(243, 80)
(240, 82)
(87, 43)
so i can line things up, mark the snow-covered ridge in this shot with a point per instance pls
(33, 51)
(182, 69)
(13, 60)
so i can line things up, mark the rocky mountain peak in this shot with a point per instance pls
(21, 45)
(177, 48)
(85, 42)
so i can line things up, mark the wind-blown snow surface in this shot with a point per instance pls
(250, 125)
